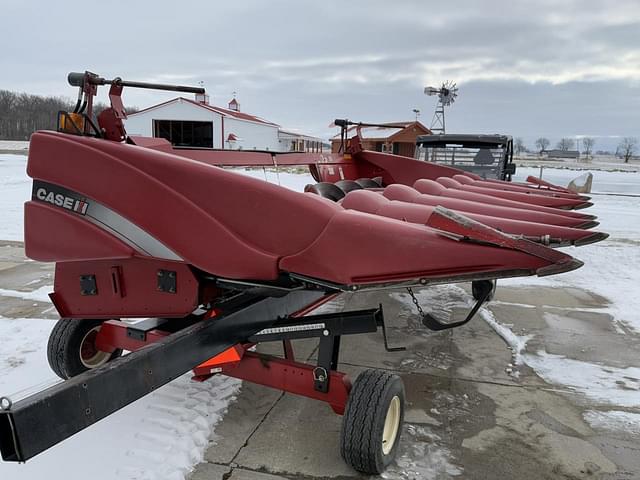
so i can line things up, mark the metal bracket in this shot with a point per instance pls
(432, 323)
(138, 331)
(384, 335)
(167, 281)
(88, 285)
(320, 375)
(328, 353)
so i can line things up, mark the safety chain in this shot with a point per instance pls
(415, 302)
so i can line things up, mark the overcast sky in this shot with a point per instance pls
(526, 68)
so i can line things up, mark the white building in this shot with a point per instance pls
(196, 123)
(297, 142)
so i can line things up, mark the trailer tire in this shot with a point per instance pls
(372, 421)
(71, 349)
(477, 289)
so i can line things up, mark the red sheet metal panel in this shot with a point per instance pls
(135, 294)
(51, 234)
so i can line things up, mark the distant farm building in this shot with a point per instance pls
(388, 138)
(197, 124)
(562, 153)
(297, 142)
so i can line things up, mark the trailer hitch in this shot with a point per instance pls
(35, 423)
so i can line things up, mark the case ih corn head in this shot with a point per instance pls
(213, 263)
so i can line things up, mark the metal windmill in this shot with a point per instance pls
(447, 94)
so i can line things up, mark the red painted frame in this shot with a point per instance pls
(284, 374)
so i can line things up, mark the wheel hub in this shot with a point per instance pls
(90, 356)
(391, 425)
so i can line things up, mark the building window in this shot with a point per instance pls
(183, 133)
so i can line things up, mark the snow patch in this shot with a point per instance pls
(14, 145)
(517, 343)
(603, 383)
(614, 420)
(437, 300)
(160, 436)
(421, 455)
(282, 177)
(16, 189)
(39, 295)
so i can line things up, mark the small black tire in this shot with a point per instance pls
(69, 348)
(366, 444)
(477, 289)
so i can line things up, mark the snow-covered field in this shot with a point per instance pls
(14, 146)
(603, 181)
(16, 189)
(164, 434)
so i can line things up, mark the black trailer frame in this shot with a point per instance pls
(40, 421)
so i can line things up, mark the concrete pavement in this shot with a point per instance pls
(471, 412)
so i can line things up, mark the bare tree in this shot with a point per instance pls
(566, 144)
(22, 114)
(542, 144)
(627, 147)
(587, 145)
(518, 146)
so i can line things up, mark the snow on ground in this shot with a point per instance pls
(14, 145)
(421, 454)
(603, 383)
(518, 343)
(159, 437)
(16, 189)
(293, 181)
(614, 420)
(39, 295)
(603, 181)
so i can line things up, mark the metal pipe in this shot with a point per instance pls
(343, 123)
(77, 79)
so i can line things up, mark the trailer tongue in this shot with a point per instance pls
(36, 423)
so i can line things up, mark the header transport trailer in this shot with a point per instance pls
(187, 266)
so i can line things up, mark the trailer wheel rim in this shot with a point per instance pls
(90, 356)
(391, 425)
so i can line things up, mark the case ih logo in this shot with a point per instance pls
(59, 197)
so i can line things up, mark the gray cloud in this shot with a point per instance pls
(524, 67)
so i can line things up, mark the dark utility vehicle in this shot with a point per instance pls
(490, 156)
